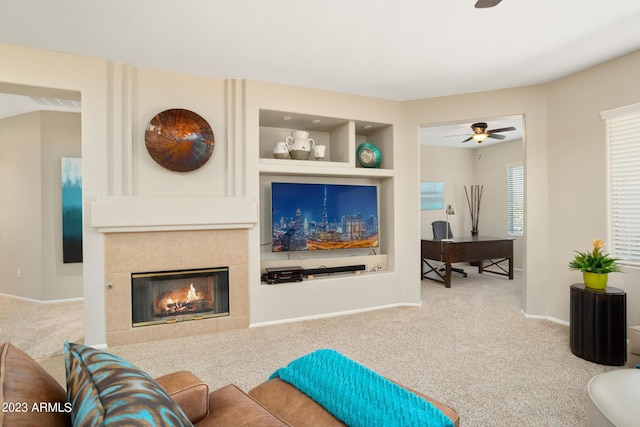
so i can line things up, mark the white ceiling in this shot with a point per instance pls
(452, 134)
(392, 49)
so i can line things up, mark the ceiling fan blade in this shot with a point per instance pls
(496, 136)
(509, 129)
(468, 139)
(481, 4)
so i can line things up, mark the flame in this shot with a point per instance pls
(191, 295)
(181, 300)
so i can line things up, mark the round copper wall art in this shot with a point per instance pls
(179, 140)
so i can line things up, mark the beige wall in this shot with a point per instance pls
(455, 168)
(117, 99)
(90, 77)
(556, 117)
(577, 160)
(565, 171)
(491, 164)
(31, 146)
(399, 217)
(60, 138)
(204, 96)
(21, 206)
(531, 102)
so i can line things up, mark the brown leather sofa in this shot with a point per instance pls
(24, 383)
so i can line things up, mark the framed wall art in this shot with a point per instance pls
(431, 195)
(71, 169)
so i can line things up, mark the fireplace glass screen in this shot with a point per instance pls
(175, 296)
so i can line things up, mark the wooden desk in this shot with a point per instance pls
(465, 249)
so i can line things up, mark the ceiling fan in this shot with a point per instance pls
(481, 4)
(480, 132)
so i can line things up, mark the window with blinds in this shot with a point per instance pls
(515, 199)
(623, 137)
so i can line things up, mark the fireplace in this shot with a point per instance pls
(177, 296)
(128, 253)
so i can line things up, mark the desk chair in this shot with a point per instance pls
(442, 230)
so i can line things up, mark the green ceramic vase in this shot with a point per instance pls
(595, 280)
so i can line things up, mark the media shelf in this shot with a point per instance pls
(341, 137)
(315, 269)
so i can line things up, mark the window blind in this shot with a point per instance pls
(623, 134)
(515, 199)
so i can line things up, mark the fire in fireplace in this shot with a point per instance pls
(175, 296)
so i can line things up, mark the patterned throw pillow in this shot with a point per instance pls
(107, 390)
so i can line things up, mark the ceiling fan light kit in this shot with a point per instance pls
(480, 132)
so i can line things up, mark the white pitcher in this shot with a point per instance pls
(299, 134)
(300, 148)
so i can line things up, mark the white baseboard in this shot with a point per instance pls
(99, 346)
(53, 301)
(551, 319)
(334, 314)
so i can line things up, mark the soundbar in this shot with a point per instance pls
(331, 270)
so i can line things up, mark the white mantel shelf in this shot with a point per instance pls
(135, 214)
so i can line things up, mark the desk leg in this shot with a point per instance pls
(511, 268)
(447, 278)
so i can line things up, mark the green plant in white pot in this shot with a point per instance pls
(595, 265)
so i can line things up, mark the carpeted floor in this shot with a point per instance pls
(40, 328)
(469, 346)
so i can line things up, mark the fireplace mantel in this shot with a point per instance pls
(134, 214)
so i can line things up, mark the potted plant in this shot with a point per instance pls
(595, 265)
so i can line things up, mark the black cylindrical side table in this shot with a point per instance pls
(598, 328)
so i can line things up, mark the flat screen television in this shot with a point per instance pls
(309, 217)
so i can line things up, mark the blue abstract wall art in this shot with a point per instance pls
(71, 210)
(431, 195)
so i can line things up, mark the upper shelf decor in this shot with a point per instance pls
(179, 140)
(368, 155)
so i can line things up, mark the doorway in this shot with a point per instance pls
(451, 157)
(38, 128)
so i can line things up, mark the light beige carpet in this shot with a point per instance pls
(469, 346)
(39, 328)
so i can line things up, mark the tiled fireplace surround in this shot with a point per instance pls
(130, 252)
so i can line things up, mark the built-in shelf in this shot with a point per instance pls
(319, 168)
(341, 137)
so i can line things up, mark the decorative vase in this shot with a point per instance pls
(595, 280)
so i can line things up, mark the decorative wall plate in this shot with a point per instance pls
(368, 155)
(179, 140)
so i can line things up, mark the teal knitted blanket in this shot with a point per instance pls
(356, 395)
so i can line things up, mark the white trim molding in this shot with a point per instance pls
(131, 214)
